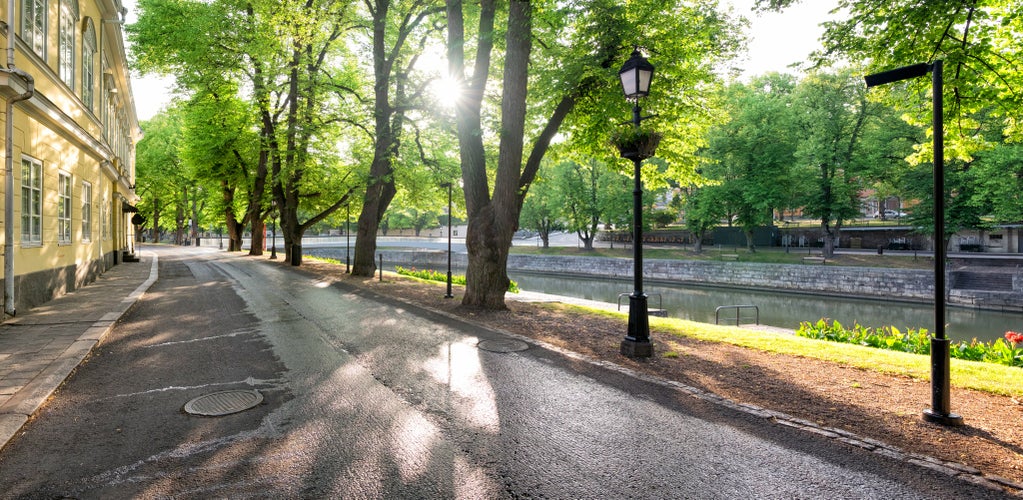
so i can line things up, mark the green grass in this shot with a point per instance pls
(987, 377)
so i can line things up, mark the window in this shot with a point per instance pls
(88, 64)
(63, 209)
(31, 201)
(33, 25)
(104, 218)
(86, 211)
(66, 41)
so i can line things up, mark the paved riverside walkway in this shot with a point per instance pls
(41, 346)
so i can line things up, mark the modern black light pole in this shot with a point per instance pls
(348, 236)
(273, 228)
(940, 411)
(635, 75)
(449, 295)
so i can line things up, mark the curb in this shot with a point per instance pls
(15, 412)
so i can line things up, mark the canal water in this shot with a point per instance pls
(785, 310)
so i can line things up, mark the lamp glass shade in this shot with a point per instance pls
(635, 75)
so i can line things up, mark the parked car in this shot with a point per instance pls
(890, 214)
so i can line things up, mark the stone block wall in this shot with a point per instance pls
(876, 283)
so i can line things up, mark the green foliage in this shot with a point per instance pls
(913, 341)
(431, 275)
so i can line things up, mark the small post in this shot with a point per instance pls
(381, 266)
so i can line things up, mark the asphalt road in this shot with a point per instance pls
(368, 398)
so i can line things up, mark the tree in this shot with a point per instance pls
(394, 96)
(833, 111)
(576, 195)
(158, 166)
(752, 154)
(282, 54)
(977, 39)
(580, 49)
(539, 211)
(703, 212)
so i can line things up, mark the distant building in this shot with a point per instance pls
(70, 139)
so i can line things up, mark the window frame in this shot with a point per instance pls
(65, 194)
(86, 211)
(31, 201)
(33, 25)
(89, 65)
(67, 22)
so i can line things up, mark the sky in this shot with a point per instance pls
(778, 40)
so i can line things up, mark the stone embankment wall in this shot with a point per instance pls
(875, 283)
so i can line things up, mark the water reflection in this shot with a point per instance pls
(697, 303)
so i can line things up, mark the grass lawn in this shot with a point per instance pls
(987, 377)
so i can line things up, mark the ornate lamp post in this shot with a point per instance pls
(635, 75)
(449, 295)
(940, 411)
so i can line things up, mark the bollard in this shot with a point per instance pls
(381, 266)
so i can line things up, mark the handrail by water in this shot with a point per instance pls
(660, 300)
(738, 308)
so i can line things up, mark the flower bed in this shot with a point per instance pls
(1007, 351)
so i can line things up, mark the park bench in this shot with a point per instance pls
(814, 259)
(729, 256)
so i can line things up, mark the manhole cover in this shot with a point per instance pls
(223, 403)
(503, 345)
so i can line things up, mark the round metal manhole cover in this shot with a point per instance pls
(503, 345)
(223, 403)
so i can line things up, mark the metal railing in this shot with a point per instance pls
(738, 309)
(655, 312)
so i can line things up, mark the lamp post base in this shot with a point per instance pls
(949, 419)
(637, 342)
(940, 412)
(636, 349)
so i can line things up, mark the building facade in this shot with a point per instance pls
(69, 146)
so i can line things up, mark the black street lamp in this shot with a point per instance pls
(635, 75)
(348, 236)
(273, 229)
(449, 295)
(940, 411)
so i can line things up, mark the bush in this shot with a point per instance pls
(1001, 351)
(456, 279)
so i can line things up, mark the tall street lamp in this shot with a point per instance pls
(635, 75)
(940, 411)
(449, 295)
(348, 236)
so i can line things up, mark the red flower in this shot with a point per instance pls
(1014, 337)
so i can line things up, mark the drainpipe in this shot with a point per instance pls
(11, 69)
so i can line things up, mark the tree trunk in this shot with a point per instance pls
(378, 196)
(258, 238)
(486, 276)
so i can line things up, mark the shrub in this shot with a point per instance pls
(431, 275)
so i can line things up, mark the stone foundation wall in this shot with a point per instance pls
(37, 288)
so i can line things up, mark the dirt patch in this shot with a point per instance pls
(883, 407)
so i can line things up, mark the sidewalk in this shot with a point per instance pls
(40, 347)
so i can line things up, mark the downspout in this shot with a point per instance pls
(9, 308)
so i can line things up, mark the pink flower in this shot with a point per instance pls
(1014, 337)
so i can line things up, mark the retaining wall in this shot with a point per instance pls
(877, 283)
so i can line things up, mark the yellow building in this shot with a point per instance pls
(69, 146)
